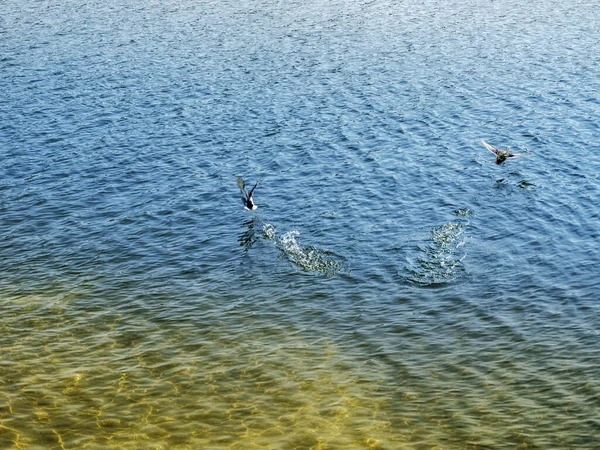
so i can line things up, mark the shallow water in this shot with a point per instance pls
(394, 289)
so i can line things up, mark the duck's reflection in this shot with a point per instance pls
(248, 237)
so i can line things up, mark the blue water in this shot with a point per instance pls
(391, 270)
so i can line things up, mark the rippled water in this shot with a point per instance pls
(394, 289)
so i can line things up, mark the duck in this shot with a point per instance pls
(247, 200)
(501, 155)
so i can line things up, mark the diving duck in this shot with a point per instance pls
(247, 196)
(501, 155)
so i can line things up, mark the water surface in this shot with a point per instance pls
(394, 289)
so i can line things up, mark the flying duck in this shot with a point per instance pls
(501, 155)
(247, 196)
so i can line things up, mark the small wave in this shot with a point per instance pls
(440, 261)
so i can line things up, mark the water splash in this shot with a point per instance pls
(440, 260)
(269, 231)
(308, 258)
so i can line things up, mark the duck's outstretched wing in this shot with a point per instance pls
(491, 148)
(252, 190)
(245, 196)
(241, 185)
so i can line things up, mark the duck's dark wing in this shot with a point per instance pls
(491, 148)
(252, 190)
